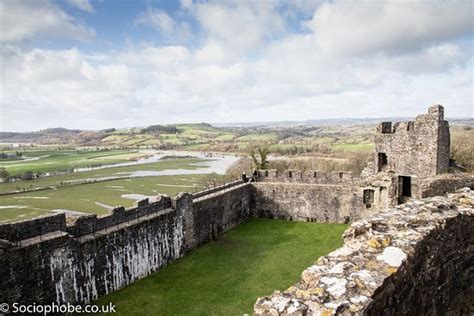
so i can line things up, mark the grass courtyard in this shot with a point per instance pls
(226, 276)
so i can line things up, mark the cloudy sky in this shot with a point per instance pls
(95, 64)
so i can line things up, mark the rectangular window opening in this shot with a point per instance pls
(382, 161)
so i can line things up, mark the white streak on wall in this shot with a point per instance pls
(122, 258)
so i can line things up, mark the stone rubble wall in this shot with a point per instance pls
(442, 184)
(414, 259)
(308, 202)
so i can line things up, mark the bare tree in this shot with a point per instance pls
(259, 157)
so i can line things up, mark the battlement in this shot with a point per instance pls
(91, 223)
(213, 190)
(83, 225)
(33, 227)
(309, 176)
(435, 114)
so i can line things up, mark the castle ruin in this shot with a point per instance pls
(47, 259)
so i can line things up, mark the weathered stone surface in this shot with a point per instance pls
(415, 259)
(307, 202)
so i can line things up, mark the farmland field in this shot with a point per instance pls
(225, 277)
(93, 175)
(97, 198)
(99, 190)
(63, 160)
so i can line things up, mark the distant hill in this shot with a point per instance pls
(197, 136)
(338, 121)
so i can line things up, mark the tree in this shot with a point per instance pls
(4, 174)
(28, 175)
(259, 157)
(462, 152)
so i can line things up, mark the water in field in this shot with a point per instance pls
(121, 184)
(214, 163)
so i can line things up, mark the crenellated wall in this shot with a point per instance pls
(90, 258)
(415, 259)
(309, 176)
(46, 260)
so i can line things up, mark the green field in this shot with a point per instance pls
(96, 198)
(64, 179)
(69, 192)
(354, 147)
(225, 277)
(40, 161)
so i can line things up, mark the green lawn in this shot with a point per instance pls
(225, 277)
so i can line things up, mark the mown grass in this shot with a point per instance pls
(225, 277)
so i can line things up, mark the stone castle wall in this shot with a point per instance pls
(415, 259)
(45, 260)
(307, 202)
(214, 214)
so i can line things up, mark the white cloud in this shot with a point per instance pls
(26, 19)
(353, 27)
(163, 23)
(221, 80)
(240, 25)
(83, 5)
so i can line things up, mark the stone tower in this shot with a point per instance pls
(418, 148)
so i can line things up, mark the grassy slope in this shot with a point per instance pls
(225, 277)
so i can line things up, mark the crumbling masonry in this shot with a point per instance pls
(391, 259)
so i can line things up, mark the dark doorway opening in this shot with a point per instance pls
(368, 198)
(404, 188)
(382, 161)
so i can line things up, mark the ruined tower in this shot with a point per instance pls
(411, 152)
(418, 148)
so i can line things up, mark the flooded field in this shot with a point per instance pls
(100, 189)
